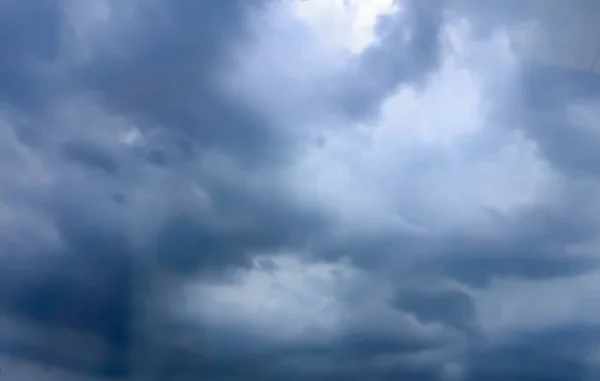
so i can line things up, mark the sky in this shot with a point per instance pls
(299, 190)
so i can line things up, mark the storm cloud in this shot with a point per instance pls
(310, 190)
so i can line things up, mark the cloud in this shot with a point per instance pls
(313, 190)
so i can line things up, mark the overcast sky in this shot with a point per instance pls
(229, 190)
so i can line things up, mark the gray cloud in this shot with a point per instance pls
(451, 307)
(221, 191)
(408, 51)
(562, 117)
(30, 36)
(557, 354)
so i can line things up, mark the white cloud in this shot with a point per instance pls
(435, 158)
(349, 24)
(290, 301)
(511, 305)
(435, 154)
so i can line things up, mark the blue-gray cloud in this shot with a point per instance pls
(220, 190)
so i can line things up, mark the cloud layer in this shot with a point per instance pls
(300, 190)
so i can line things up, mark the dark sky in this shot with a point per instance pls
(277, 190)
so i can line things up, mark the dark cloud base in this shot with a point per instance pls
(99, 280)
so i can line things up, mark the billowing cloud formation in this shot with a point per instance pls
(319, 189)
